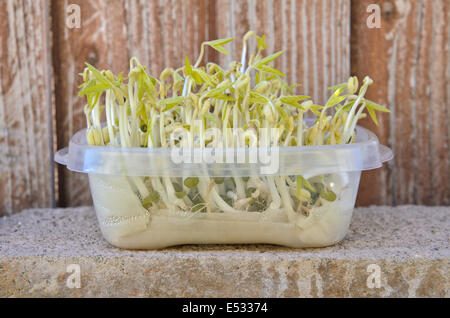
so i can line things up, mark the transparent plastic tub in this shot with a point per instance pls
(120, 179)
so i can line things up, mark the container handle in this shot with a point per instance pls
(386, 153)
(62, 156)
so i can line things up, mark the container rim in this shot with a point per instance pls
(365, 154)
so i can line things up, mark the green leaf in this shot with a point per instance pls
(150, 83)
(188, 66)
(219, 89)
(268, 59)
(282, 112)
(316, 109)
(178, 77)
(171, 102)
(197, 77)
(99, 76)
(347, 107)
(261, 42)
(217, 45)
(372, 115)
(334, 100)
(376, 106)
(271, 70)
(219, 41)
(302, 182)
(205, 76)
(258, 98)
(94, 89)
(339, 86)
(225, 97)
(120, 77)
(293, 100)
(220, 49)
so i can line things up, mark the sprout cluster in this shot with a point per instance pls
(142, 111)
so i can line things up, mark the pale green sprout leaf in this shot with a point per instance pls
(197, 77)
(224, 97)
(205, 77)
(261, 42)
(217, 45)
(171, 102)
(148, 81)
(334, 100)
(178, 77)
(219, 89)
(339, 86)
(220, 49)
(268, 59)
(211, 117)
(372, 115)
(258, 98)
(283, 113)
(271, 70)
(316, 109)
(188, 66)
(302, 182)
(219, 42)
(121, 78)
(347, 107)
(85, 86)
(99, 76)
(376, 106)
(94, 89)
(294, 100)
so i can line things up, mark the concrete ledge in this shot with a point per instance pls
(408, 244)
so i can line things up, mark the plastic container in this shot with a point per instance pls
(118, 178)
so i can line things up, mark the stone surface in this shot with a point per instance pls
(408, 244)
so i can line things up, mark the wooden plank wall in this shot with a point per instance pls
(409, 60)
(325, 42)
(26, 145)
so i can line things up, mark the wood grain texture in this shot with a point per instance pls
(26, 159)
(408, 58)
(101, 41)
(162, 32)
(314, 34)
(159, 33)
